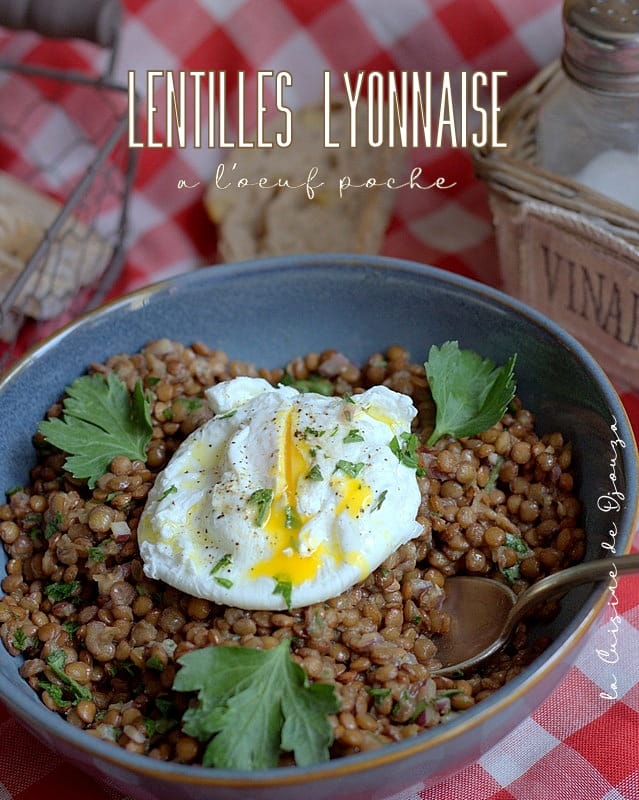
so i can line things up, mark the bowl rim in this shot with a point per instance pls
(564, 644)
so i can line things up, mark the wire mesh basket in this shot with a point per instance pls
(65, 177)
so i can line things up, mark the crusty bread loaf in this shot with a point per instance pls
(255, 221)
(75, 259)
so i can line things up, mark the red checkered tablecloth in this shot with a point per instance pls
(577, 745)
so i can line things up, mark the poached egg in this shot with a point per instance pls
(283, 498)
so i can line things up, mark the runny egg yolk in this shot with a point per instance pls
(284, 519)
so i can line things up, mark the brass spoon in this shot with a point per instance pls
(484, 613)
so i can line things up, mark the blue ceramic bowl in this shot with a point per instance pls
(268, 312)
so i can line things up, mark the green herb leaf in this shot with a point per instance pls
(101, 420)
(155, 663)
(171, 490)
(291, 520)
(225, 561)
(19, 639)
(406, 452)
(379, 692)
(70, 627)
(353, 436)
(285, 588)
(516, 543)
(471, 394)
(314, 473)
(262, 498)
(253, 704)
(56, 693)
(228, 414)
(380, 500)
(494, 474)
(153, 380)
(349, 467)
(53, 525)
(191, 404)
(314, 383)
(56, 661)
(96, 554)
(61, 591)
(225, 582)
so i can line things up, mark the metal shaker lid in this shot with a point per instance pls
(601, 45)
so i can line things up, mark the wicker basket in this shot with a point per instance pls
(568, 251)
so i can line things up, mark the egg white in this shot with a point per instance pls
(283, 497)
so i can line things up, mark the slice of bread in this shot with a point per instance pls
(255, 221)
(75, 259)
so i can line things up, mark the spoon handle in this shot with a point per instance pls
(559, 583)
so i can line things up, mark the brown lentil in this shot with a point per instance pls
(123, 633)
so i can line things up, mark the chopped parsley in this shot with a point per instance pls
(191, 403)
(171, 490)
(20, 639)
(379, 692)
(228, 414)
(55, 692)
(225, 582)
(155, 663)
(96, 554)
(57, 592)
(380, 499)
(314, 383)
(70, 627)
(53, 525)
(314, 473)
(262, 498)
(352, 469)
(494, 474)
(223, 562)
(291, 520)
(406, 451)
(56, 660)
(285, 588)
(353, 436)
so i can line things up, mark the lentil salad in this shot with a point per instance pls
(499, 504)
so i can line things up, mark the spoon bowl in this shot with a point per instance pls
(484, 613)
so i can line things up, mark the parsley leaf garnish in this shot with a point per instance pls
(471, 394)
(314, 473)
(352, 469)
(353, 436)
(285, 588)
(380, 500)
(262, 498)
(56, 660)
(57, 592)
(314, 383)
(225, 561)
(171, 490)
(253, 704)
(406, 452)
(101, 420)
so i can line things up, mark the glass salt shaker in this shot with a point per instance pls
(588, 129)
